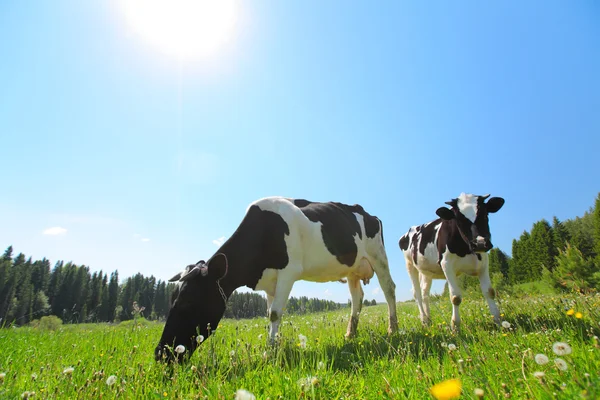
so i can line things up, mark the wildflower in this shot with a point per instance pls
(478, 392)
(578, 315)
(541, 359)
(2, 376)
(446, 390)
(561, 364)
(539, 374)
(243, 394)
(111, 380)
(68, 371)
(26, 395)
(180, 349)
(199, 339)
(194, 368)
(444, 344)
(34, 376)
(302, 341)
(586, 375)
(232, 353)
(570, 312)
(308, 382)
(505, 324)
(260, 336)
(561, 349)
(451, 347)
(320, 365)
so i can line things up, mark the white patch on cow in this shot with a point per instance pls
(467, 204)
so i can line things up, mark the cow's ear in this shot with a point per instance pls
(176, 277)
(445, 213)
(218, 266)
(494, 204)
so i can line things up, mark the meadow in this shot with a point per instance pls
(314, 361)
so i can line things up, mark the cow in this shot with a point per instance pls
(278, 242)
(456, 243)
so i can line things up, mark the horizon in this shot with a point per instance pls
(135, 141)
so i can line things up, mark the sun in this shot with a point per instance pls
(182, 28)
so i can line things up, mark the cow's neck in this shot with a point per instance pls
(238, 262)
(457, 242)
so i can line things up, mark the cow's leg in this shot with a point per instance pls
(269, 302)
(416, 289)
(488, 291)
(425, 290)
(283, 288)
(455, 292)
(389, 291)
(357, 295)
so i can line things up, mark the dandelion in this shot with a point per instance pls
(541, 359)
(260, 336)
(180, 349)
(444, 344)
(561, 349)
(561, 364)
(68, 371)
(505, 324)
(27, 395)
(34, 376)
(199, 339)
(539, 374)
(111, 380)
(232, 353)
(478, 392)
(320, 365)
(451, 347)
(194, 368)
(446, 390)
(243, 394)
(570, 312)
(2, 376)
(308, 382)
(302, 339)
(578, 315)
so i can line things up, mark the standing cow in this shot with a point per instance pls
(456, 243)
(278, 242)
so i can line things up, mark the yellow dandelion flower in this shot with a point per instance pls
(578, 315)
(570, 312)
(165, 394)
(446, 390)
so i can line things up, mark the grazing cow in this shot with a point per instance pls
(278, 242)
(454, 244)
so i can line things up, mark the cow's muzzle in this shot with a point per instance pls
(481, 244)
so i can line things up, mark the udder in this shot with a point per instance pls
(364, 271)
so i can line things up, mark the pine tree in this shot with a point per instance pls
(499, 262)
(560, 233)
(542, 250)
(113, 295)
(596, 220)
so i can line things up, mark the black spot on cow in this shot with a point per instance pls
(404, 242)
(339, 226)
(260, 239)
(428, 235)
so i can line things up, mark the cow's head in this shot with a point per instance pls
(197, 306)
(471, 214)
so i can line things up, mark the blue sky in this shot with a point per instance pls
(143, 159)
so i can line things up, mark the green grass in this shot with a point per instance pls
(371, 366)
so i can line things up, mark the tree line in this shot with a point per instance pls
(32, 289)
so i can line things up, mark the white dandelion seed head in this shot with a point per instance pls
(260, 336)
(27, 394)
(111, 380)
(541, 359)
(199, 339)
(587, 375)
(194, 368)
(302, 338)
(539, 374)
(478, 392)
(243, 394)
(444, 344)
(180, 349)
(561, 348)
(68, 371)
(505, 324)
(561, 364)
(320, 365)
(34, 376)
(2, 376)
(451, 347)
(232, 353)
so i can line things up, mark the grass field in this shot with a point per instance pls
(76, 362)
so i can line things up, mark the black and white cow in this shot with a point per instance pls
(454, 244)
(279, 242)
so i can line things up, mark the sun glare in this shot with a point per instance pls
(182, 28)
